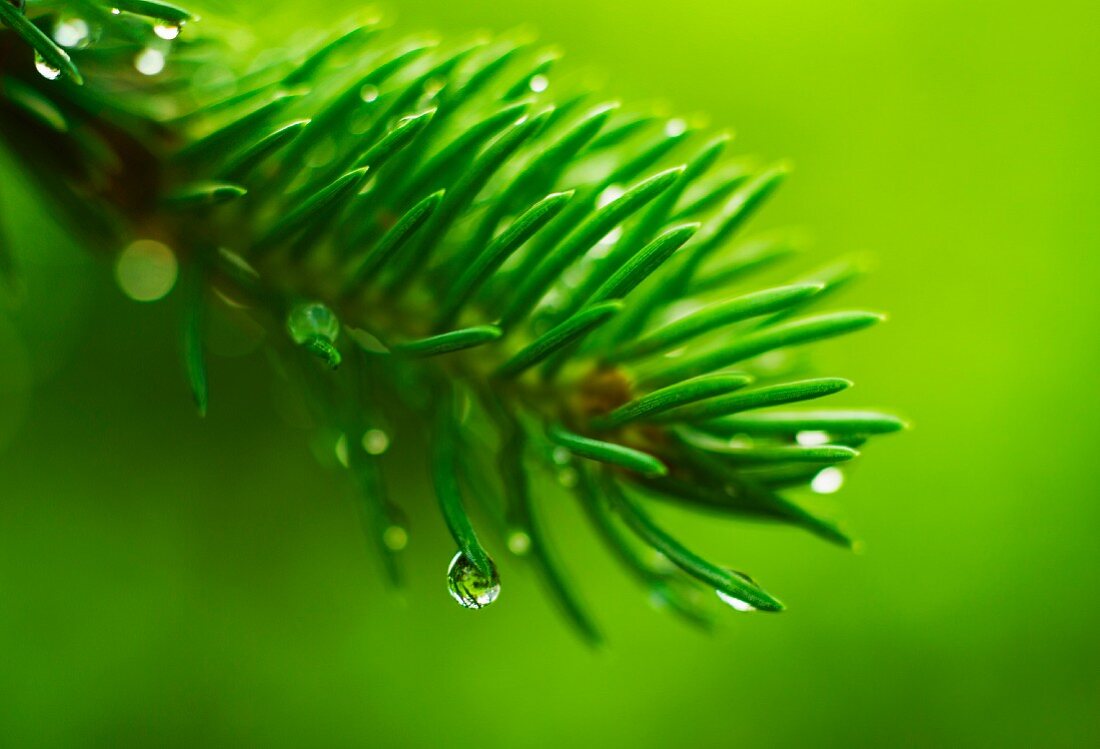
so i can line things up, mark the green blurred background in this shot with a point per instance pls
(170, 581)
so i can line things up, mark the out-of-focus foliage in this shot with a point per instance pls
(164, 581)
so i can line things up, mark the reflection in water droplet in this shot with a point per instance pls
(342, 450)
(149, 61)
(146, 270)
(469, 586)
(368, 93)
(312, 320)
(828, 480)
(167, 31)
(71, 32)
(47, 71)
(539, 83)
(519, 542)
(809, 438)
(733, 601)
(375, 442)
(395, 538)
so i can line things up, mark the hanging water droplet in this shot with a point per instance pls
(733, 601)
(519, 542)
(312, 320)
(469, 586)
(539, 83)
(395, 538)
(810, 438)
(167, 31)
(149, 61)
(71, 32)
(47, 71)
(827, 481)
(368, 93)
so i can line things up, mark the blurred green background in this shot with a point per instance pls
(170, 581)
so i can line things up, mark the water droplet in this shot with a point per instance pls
(539, 83)
(375, 442)
(47, 71)
(610, 239)
(733, 601)
(810, 438)
(469, 586)
(116, 12)
(561, 456)
(395, 538)
(675, 127)
(167, 31)
(146, 270)
(519, 542)
(609, 195)
(312, 320)
(149, 61)
(736, 603)
(368, 93)
(71, 32)
(342, 450)
(828, 480)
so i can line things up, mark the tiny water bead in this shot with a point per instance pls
(149, 61)
(167, 31)
(375, 442)
(47, 71)
(734, 602)
(395, 538)
(312, 320)
(675, 127)
(811, 438)
(72, 33)
(315, 327)
(519, 542)
(539, 83)
(368, 93)
(469, 586)
(827, 481)
(146, 270)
